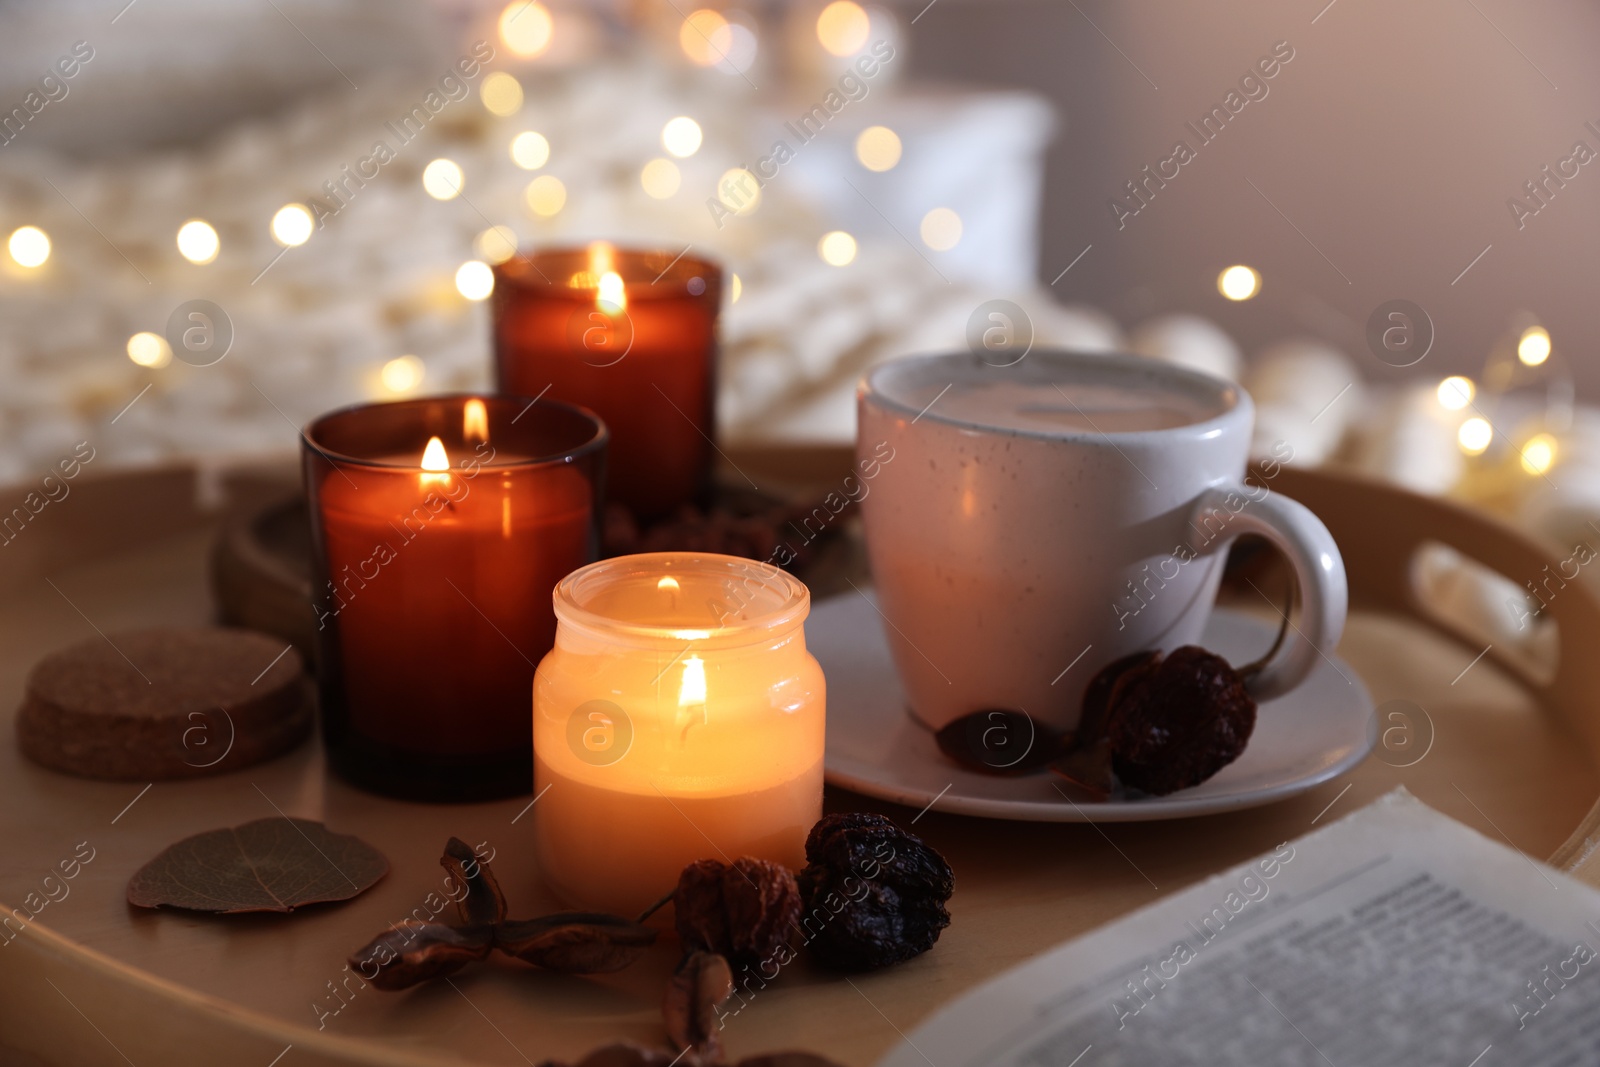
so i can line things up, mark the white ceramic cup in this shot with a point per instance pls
(1012, 564)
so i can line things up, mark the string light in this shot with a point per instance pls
(1534, 347)
(530, 150)
(837, 248)
(29, 246)
(526, 28)
(941, 229)
(681, 136)
(198, 242)
(475, 280)
(660, 178)
(843, 27)
(1456, 392)
(496, 244)
(545, 195)
(705, 37)
(1239, 282)
(402, 374)
(878, 148)
(292, 225)
(501, 94)
(442, 179)
(149, 350)
(1474, 436)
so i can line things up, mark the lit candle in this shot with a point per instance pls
(678, 717)
(631, 335)
(440, 527)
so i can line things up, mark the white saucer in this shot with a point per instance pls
(1318, 732)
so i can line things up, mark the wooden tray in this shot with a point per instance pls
(91, 981)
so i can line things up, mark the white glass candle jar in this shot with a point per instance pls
(678, 717)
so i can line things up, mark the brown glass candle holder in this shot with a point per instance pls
(440, 526)
(631, 335)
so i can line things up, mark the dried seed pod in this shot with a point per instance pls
(999, 742)
(702, 984)
(873, 894)
(575, 942)
(1087, 761)
(746, 912)
(412, 952)
(1176, 722)
(483, 902)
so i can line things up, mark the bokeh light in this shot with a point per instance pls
(1534, 346)
(501, 94)
(837, 248)
(735, 287)
(496, 244)
(1456, 392)
(941, 229)
(198, 242)
(660, 178)
(442, 179)
(402, 374)
(878, 148)
(681, 136)
(1474, 436)
(1239, 282)
(149, 349)
(530, 150)
(739, 191)
(843, 27)
(475, 280)
(1539, 454)
(545, 195)
(292, 225)
(29, 246)
(705, 37)
(526, 28)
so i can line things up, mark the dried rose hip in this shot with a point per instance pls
(1175, 722)
(874, 895)
(999, 742)
(746, 912)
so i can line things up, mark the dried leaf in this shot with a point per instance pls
(484, 902)
(702, 984)
(999, 742)
(575, 942)
(412, 952)
(788, 1059)
(276, 864)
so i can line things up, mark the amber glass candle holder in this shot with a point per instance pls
(439, 528)
(631, 335)
(678, 707)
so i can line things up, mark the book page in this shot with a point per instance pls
(1395, 936)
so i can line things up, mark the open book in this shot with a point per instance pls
(1395, 936)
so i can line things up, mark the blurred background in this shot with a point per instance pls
(1380, 218)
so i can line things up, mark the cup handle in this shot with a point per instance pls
(1318, 569)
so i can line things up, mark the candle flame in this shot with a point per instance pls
(692, 690)
(474, 422)
(435, 463)
(611, 297)
(669, 582)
